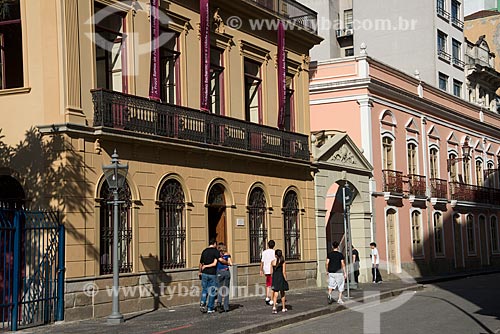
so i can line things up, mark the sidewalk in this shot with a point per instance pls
(250, 315)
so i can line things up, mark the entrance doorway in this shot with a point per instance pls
(392, 243)
(11, 193)
(217, 214)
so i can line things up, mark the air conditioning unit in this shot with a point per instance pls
(349, 32)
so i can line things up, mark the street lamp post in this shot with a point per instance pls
(115, 175)
(466, 154)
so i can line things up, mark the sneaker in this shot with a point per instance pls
(210, 311)
(268, 301)
(203, 308)
(340, 302)
(274, 311)
(271, 303)
(330, 299)
(374, 282)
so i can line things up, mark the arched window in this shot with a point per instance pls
(124, 230)
(257, 210)
(438, 233)
(416, 229)
(434, 165)
(412, 159)
(291, 226)
(11, 193)
(479, 173)
(172, 227)
(471, 235)
(453, 167)
(494, 234)
(387, 144)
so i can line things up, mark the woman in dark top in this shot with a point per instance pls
(279, 280)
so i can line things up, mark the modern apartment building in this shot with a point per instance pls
(434, 196)
(225, 158)
(424, 37)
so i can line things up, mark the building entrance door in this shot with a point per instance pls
(217, 214)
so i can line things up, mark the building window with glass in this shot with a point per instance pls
(388, 154)
(457, 88)
(172, 226)
(257, 213)
(412, 158)
(443, 82)
(455, 14)
(442, 46)
(110, 51)
(253, 87)
(479, 173)
(438, 234)
(440, 7)
(170, 70)
(11, 45)
(471, 235)
(217, 81)
(349, 52)
(416, 232)
(348, 19)
(291, 226)
(453, 167)
(494, 235)
(289, 105)
(433, 163)
(456, 50)
(124, 230)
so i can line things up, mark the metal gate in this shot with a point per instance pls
(31, 268)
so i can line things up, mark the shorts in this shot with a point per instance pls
(269, 280)
(336, 281)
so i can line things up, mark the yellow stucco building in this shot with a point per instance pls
(75, 86)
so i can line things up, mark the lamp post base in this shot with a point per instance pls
(115, 319)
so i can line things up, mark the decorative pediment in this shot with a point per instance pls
(411, 126)
(340, 152)
(489, 149)
(479, 146)
(452, 139)
(433, 133)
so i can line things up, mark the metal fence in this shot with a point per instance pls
(31, 268)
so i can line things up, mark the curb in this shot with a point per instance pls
(448, 278)
(299, 317)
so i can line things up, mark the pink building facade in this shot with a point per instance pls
(434, 196)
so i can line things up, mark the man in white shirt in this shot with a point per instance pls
(377, 278)
(265, 269)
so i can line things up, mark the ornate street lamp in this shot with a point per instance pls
(115, 175)
(466, 154)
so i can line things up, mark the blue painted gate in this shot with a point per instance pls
(31, 268)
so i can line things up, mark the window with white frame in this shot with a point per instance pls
(387, 146)
(495, 248)
(416, 233)
(253, 87)
(433, 163)
(479, 173)
(457, 88)
(453, 167)
(438, 233)
(466, 164)
(412, 158)
(443, 82)
(471, 235)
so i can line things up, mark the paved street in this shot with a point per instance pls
(468, 305)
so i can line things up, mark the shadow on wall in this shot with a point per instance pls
(51, 174)
(156, 277)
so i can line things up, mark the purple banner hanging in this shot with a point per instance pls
(154, 84)
(281, 76)
(205, 55)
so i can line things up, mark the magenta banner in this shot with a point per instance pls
(154, 84)
(281, 76)
(205, 55)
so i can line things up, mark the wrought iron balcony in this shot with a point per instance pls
(293, 11)
(393, 181)
(142, 116)
(471, 193)
(457, 22)
(417, 185)
(458, 62)
(443, 13)
(439, 188)
(444, 55)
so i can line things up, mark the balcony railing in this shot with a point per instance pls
(344, 32)
(457, 62)
(443, 13)
(417, 185)
(439, 188)
(393, 181)
(457, 22)
(471, 193)
(293, 11)
(143, 116)
(444, 55)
